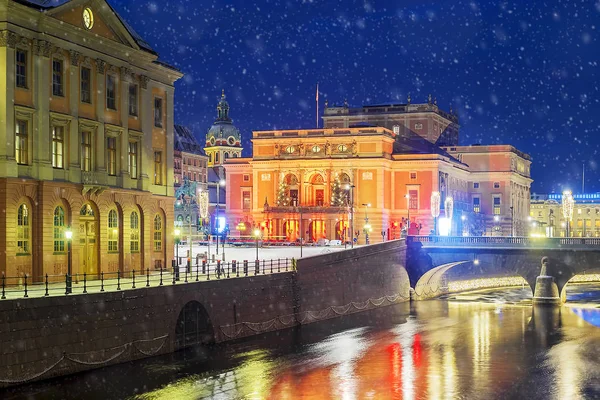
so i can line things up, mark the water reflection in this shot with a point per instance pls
(494, 345)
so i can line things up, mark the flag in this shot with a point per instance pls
(317, 92)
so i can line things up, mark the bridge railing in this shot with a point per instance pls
(27, 286)
(509, 241)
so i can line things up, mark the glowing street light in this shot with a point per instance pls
(69, 236)
(435, 209)
(568, 203)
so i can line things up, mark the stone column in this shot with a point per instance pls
(170, 140)
(42, 152)
(124, 80)
(74, 140)
(100, 144)
(546, 290)
(8, 41)
(146, 167)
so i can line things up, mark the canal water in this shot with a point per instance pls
(481, 345)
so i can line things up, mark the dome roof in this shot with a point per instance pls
(223, 132)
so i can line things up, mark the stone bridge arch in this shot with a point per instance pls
(193, 326)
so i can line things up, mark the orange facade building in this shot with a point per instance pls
(318, 183)
(87, 127)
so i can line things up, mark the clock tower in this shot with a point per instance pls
(223, 139)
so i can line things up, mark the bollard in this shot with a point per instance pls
(133, 278)
(84, 282)
(3, 286)
(208, 273)
(147, 277)
(26, 295)
(235, 268)
(246, 267)
(203, 267)
(256, 267)
(102, 281)
(218, 269)
(197, 271)
(46, 294)
(227, 270)
(161, 282)
(263, 267)
(279, 265)
(286, 264)
(271, 265)
(119, 280)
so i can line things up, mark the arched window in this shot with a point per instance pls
(135, 233)
(113, 232)
(217, 157)
(23, 230)
(158, 233)
(59, 230)
(226, 156)
(210, 157)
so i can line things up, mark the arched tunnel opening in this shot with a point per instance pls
(194, 326)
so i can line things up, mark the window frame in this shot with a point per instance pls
(158, 106)
(59, 228)
(113, 231)
(82, 89)
(110, 78)
(21, 80)
(158, 175)
(58, 142)
(476, 207)
(132, 163)
(134, 235)
(111, 156)
(496, 208)
(22, 142)
(157, 233)
(58, 78)
(133, 112)
(23, 230)
(86, 161)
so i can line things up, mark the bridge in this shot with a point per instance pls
(430, 260)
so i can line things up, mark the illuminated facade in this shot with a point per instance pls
(547, 218)
(87, 124)
(295, 186)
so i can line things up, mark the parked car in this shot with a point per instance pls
(334, 243)
(322, 242)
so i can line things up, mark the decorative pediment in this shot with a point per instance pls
(96, 17)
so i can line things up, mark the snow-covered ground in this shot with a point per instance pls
(249, 253)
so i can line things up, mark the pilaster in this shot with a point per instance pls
(170, 139)
(146, 153)
(8, 41)
(100, 144)
(42, 153)
(74, 140)
(125, 79)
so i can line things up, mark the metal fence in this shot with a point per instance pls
(26, 286)
(511, 241)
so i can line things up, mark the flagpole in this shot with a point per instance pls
(317, 105)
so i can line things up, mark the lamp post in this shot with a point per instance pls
(435, 209)
(177, 234)
(512, 221)
(407, 197)
(351, 204)
(69, 236)
(367, 227)
(257, 236)
(568, 203)
(218, 185)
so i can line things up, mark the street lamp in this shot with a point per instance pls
(69, 236)
(407, 197)
(257, 236)
(435, 209)
(351, 205)
(568, 203)
(218, 185)
(367, 227)
(177, 234)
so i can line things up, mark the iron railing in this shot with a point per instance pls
(506, 241)
(27, 286)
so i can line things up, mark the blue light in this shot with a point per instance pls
(221, 225)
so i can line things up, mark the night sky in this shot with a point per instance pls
(523, 73)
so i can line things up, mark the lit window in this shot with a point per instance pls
(21, 68)
(497, 205)
(158, 168)
(476, 205)
(246, 200)
(413, 202)
(396, 129)
(86, 151)
(21, 142)
(23, 230)
(59, 230)
(58, 146)
(113, 231)
(134, 243)
(157, 233)
(111, 154)
(133, 159)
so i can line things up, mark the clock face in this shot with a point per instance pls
(231, 140)
(88, 18)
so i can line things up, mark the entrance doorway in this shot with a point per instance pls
(88, 240)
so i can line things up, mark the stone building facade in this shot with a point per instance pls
(547, 219)
(294, 186)
(87, 119)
